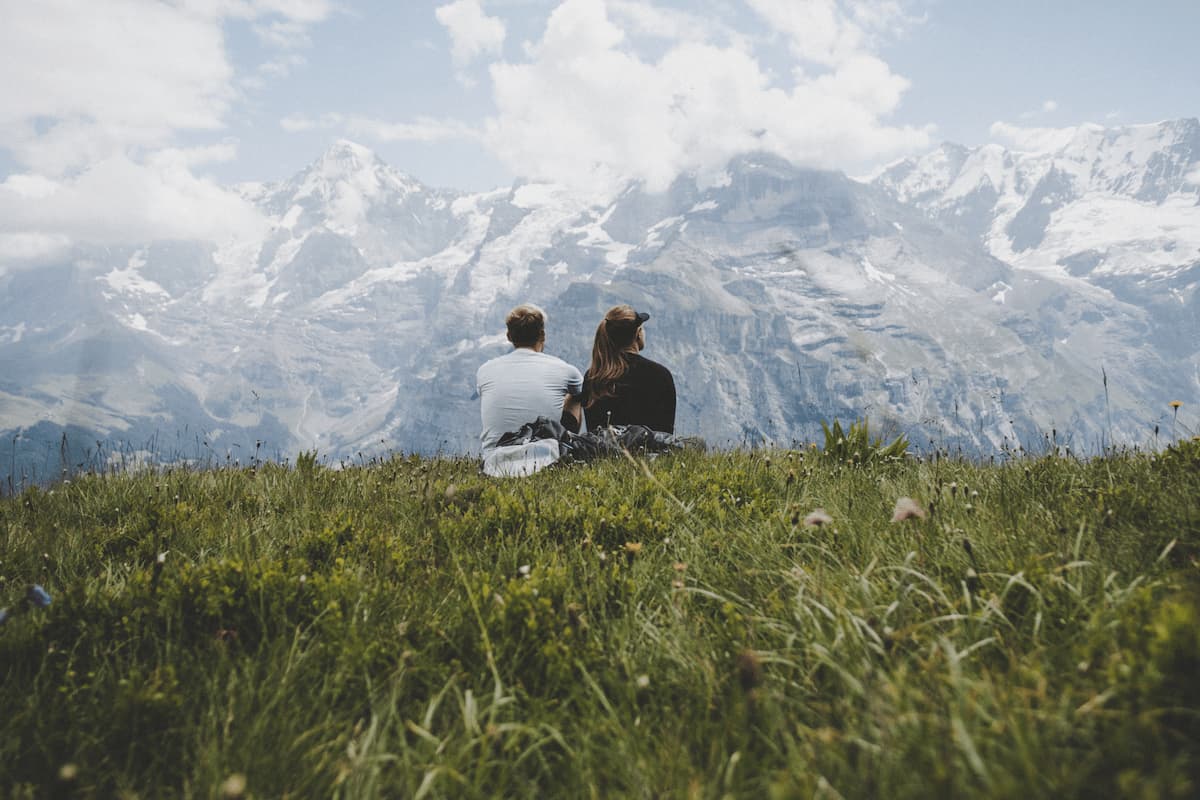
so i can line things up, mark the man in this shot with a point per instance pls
(517, 388)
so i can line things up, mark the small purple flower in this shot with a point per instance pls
(38, 596)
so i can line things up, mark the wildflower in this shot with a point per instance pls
(603, 556)
(68, 772)
(1176, 403)
(643, 681)
(907, 508)
(234, 785)
(633, 548)
(816, 518)
(677, 584)
(679, 566)
(524, 570)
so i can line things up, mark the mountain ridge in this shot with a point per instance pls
(779, 295)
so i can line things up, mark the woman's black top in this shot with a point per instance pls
(644, 395)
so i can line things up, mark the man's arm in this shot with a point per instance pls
(572, 413)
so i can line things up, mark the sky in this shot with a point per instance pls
(124, 120)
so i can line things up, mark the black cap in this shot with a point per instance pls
(622, 331)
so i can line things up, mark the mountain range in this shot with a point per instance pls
(971, 297)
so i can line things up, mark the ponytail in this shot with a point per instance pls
(608, 357)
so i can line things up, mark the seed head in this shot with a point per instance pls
(749, 670)
(907, 508)
(234, 786)
(816, 518)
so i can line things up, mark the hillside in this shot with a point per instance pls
(682, 627)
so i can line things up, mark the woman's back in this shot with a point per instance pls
(643, 395)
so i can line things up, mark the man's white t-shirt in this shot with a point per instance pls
(519, 387)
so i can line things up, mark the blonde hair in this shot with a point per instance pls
(526, 325)
(608, 360)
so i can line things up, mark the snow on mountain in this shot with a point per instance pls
(1109, 201)
(1112, 213)
(967, 297)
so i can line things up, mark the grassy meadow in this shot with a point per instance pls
(681, 627)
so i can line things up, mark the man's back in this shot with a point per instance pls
(519, 387)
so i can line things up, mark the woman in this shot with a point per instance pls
(622, 387)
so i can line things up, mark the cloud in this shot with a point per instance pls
(472, 32)
(585, 108)
(119, 200)
(1193, 177)
(830, 32)
(31, 249)
(1032, 139)
(423, 129)
(101, 92)
(643, 19)
(1049, 106)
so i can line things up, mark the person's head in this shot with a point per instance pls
(527, 326)
(620, 332)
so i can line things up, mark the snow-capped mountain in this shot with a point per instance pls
(1109, 211)
(951, 298)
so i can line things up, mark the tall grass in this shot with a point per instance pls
(669, 628)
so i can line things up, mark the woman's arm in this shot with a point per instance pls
(572, 415)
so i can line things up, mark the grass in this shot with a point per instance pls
(670, 629)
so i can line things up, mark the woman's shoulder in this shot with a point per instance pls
(648, 365)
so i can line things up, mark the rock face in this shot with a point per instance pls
(967, 298)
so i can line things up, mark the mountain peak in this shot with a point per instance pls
(348, 154)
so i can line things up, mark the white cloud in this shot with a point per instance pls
(472, 32)
(584, 108)
(644, 19)
(1034, 140)
(1193, 177)
(30, 249)
(1049, 106)
(120, 200)
(830, 32)
(99, 92)
(423, 129)
(96, 77)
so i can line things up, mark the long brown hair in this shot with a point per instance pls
(608, 355)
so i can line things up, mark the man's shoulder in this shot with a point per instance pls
(528, 358)
(492, 363)
(556, 364)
